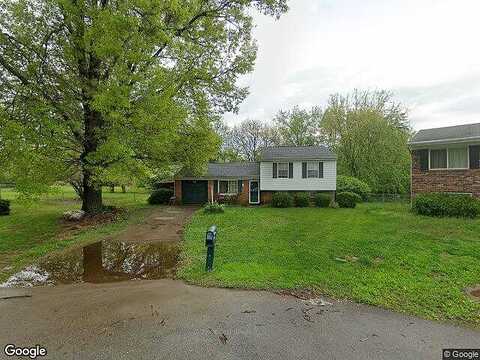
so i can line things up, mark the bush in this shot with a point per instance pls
(282, 200)
(443, 204)
(301, 199)
(322, 200)
(348, 199)
(214, 208)
(4, 207)
(354, 185)
(160, 196)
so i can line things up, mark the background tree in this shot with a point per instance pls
(299, 127)
(90, 84)
(369, 132)
(249, 137)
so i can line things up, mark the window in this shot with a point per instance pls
(282, 170)
(228, 187)
(312, 170)
(438, 159)
(457, 158)
(451, 158)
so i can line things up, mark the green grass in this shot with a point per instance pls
(32, 228)
(408, 263)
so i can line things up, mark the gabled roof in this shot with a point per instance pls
(296, 153)
(447, 134)
(233, 169)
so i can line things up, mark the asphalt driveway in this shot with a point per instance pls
(167, 319)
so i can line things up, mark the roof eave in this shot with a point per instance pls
(444, 141)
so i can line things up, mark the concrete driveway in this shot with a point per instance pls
(167, 319)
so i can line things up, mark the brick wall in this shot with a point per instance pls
(266, 197)
(178, 191)
(463, 181)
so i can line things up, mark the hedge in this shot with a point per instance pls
(160, 196)
(322, 200)
(444, 204)
(348, 199)
(301, 199)
(282, 200)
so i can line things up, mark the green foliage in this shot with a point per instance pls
(282, 200)
(301, 199)
(4, 207)
(160, 196)
(322, 200)
(98, 92)
(369, 131)
(348, 199)
(442, 204)
(214, 208)
(352, 184)
(299, 127)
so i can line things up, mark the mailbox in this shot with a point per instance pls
(211, 236)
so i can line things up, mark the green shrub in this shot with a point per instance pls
(214, 208)
(443, 204)
(348, 199)
(322, 200)
(354, 185)
(301, 199)
(282, 200)
(4, 207)
(160, 196)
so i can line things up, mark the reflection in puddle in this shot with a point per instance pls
(106, 261)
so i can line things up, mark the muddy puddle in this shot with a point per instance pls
(101, 262)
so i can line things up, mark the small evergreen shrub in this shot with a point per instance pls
(348, 199)
(443, 204)
(352, 184)
(4, 207)
(160, 196)
(301, 199)
(214, 208)
(322, 200)
(282, 200)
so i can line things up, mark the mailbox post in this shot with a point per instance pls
(210, 239)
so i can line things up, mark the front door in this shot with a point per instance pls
(254, 194)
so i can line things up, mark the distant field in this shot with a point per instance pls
(32, 228)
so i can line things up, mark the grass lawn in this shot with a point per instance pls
(396, 260)
(32, 229)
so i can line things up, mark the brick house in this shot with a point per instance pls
(446, 160)
(281, 168)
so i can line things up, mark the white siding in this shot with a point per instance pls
(328, 182)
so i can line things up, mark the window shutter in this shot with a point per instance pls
(240, 186)
(290, 170)
(304, 170)
(474, 156)
(215, 186)
(422, 156)
(274, 170)
(320, 170)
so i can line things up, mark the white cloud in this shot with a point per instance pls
(426, 51)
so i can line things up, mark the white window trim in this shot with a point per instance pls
(317, 169)
(278, 170)
(227, 193)
(448, 168)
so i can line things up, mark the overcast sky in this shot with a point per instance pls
(426, 51)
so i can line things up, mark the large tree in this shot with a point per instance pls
(299, 127)
(249, 137)
(91, 85)
(369, 132)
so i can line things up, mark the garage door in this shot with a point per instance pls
(194, 192)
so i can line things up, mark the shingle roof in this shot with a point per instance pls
(233, 169)
(297, 153)
(459, 132)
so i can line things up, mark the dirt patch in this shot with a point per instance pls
(149, 250)
(474, 293)
(69, 227)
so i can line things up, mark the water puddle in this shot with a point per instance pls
(102, 262)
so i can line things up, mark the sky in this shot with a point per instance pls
(427, 52)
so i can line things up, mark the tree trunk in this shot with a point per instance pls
(92, 195)
(124, 189)
(112, 188)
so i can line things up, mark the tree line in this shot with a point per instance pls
(368, 130)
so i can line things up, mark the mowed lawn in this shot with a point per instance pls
(34, 229)
(378, 254)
